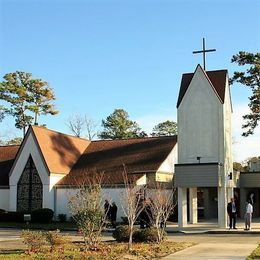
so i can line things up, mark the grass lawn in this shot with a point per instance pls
(255, 254)
(51, 226)
(107, 250)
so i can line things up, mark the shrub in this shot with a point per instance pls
(2, 211)
(147, 235)
(62, 218)
(33, 239)
(121, 233)
(11, 216)
(55, 239)
(124, 220)
(44, 215)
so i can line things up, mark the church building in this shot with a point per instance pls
(47, 168)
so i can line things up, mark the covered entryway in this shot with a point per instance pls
(29, 188)
(201, 192)
(250, 190)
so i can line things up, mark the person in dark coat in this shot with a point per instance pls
(107, 207)
(232, 213)
(143, 215)
(113, 212)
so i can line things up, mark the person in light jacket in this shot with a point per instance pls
(248, 215)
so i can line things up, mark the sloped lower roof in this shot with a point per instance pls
(138, 155)
(60, 151)
(81, 159)
(7, 156)
(217, 78)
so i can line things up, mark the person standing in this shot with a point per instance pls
(107, 207)
(113, 211)
(248, 215)
(232, 213)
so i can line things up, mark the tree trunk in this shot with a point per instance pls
(130, 239)
(36, 118)
(24, 131)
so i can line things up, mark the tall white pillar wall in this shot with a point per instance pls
(182, 207)
(193, 206)
(222, 207)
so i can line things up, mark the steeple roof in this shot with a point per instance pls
(217, 78)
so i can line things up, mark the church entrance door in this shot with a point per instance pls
(29, 189)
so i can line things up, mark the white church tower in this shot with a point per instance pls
(204, 142)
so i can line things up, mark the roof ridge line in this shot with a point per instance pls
(73, 136)
(134, 138)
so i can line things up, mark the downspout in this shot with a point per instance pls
(54, 202)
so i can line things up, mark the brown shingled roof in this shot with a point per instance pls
(138, 155)
(7, 156)
(60, 151)
(217, 78)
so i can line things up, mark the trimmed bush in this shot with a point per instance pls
(44, 215)
(121, 233)
(147, 235)
(2, 211)
(62, 218)
(11, 216)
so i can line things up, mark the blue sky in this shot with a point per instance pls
(101, 55)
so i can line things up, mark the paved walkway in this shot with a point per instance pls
(210, 226)
(215, 246)
(215, 243)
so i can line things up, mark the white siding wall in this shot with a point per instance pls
(111, 194)
(4, 199)
(200, 123)
(227, 153)
(168, 164)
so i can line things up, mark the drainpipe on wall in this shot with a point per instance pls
(54, 202)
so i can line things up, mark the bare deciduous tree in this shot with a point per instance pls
(76, 125)
(161, 206)
(91, 126)
(81, 126)
(132, 204)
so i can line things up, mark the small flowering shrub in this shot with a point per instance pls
(33, 239)
(55, 240)
(87, 209)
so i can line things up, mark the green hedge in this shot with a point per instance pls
(11, 216)
(147, 235)
(121, 234)
(44, 215)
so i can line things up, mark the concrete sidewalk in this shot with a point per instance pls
(211, 227)
(215, 243)
(217, 246)
(219, 251)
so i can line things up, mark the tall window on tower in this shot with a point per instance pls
(29, 189)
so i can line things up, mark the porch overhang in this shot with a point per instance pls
(249, 180)
(197, 175)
